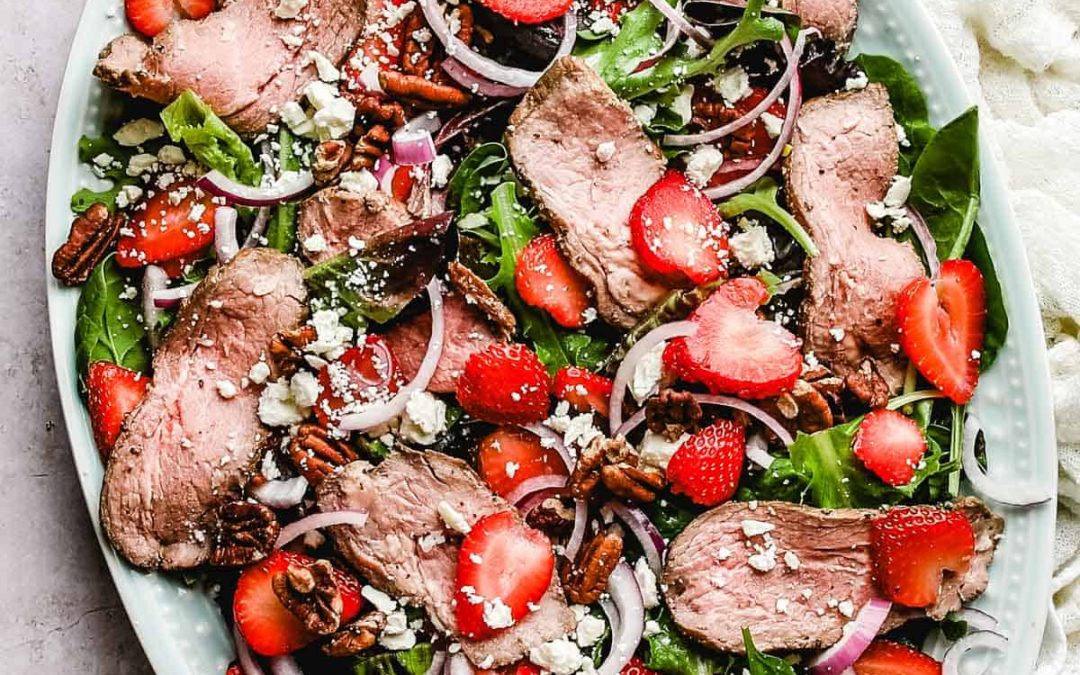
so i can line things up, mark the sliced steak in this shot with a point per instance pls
(189, 446)
(399, 552)
(242, 60)
(339, 214)
(844, 155)
(554, 137)
(836, 19)
(718, 579)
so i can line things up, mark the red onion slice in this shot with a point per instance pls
(926, 241)
(840, 656)
(631, 424)
(289, 186)
(675, 18)
(765, 418)
(413, 147)
(532, 486)
(626, 594)
(377, 414)
(612, 613)
(483, 66)
(318, 521)
(630, 361)
(285, 665)
(478, 84)
(383, 166)
(281, 494)
(167, 298)
(438, 660)
(154, 281)
(459, 665)
(247, 661)
(581, 519)
(258, 228)
(792, 54)
(225, 243)
(550, 439)
(652, 542)
(757, 451)
(1001, 491)
(981, 640)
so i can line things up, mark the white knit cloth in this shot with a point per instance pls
(1021, 58)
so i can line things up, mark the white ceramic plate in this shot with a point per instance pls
(180, 626)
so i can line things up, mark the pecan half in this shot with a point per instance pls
(372, 145)
(379, 109)
(88, 242)
(287, 350)
(357, 636)
(419, 90)
(614, 463)
(632, 482)
(587, 577)
(317, 455)
(246, 533)
(330, 158)
(551, 515)
(673, 413)
(311, 594)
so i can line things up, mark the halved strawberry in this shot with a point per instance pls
(942, 325)
(637, 667)
(678, 233)
(890, 445)
(545, 280)
(150, 17)
(267, 626)
(528, 11)
(503, 567)
(707, 466)
(112, 392)
(509, 456)
(883, 657)
(160, 230)
(234, 669)
(584, 390)
(734, 350)
(914, 546)
(505, 384)
(380, 48)
(361, 374)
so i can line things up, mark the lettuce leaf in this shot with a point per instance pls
(669, 652)
(414, 661)
(191, 122)
(107, 326)
(763, 664)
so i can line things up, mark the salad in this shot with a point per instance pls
(541, 336)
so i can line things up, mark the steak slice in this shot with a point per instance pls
(399, 552)
(553, 137)
(714, 590)
(242, 60)
(836, 19)
(338, 214)
(844, 155)
(189, 446)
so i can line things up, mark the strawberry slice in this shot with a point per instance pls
(528, 11)
(380, 48)
(890, 445)
(509, 456)
(914, 546)
(942, 325)
(637, 667)
(161, 231)
(361, 374)
(503, 567)
(583, 390)
(112, 392)
(505, 384)
(734, 350)
(883, 657)
(545, 280)
(678, 233)
(150, 17)
(267, 626)
(707, 466)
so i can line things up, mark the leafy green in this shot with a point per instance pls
(191, 121)
(281, 230)
(780, 482)
(516, 229)
(107, 327)
(761, 198)
(763, 664)
(671, 514)
(414, 661)
(487, 165)
(997, 319)
(908, 103)
(945, 184)
(671, 653)
(638, 38)
(89, 148)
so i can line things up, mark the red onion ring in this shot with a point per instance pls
(318, 521)
(281, 494)
(757, 451)
(154, 281)
(793, 54)
(378, 414)
(675, 18)
(412, 147)
(459, 665)
(483, 66)
(652, 542)
(631, 424)
(765, 418)
(984, 639)
(626, 595)
(258, 227)
(383, 165)
(225, 243)
(581, 519)
(1003, 492)
(438, 660)
(247, 661)
(840, 656)
(535, 485)
(926, 241)
(478, 84)
(285, 665)
(289, 186)
(167, 298)
(554, 440)
(612, 612)
(630, 361)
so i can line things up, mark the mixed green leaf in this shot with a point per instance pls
(107, 323)
(191, 122)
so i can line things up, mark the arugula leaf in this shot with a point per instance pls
(516, 229)
(908, 103)
(763, 664)
(761, 198)
(945, 184)
(192, 122)
(671, 653)
(997, 319)
(107, 327)
(414, 661)
(281, 230)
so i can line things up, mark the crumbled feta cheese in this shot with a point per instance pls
(732, 84)
(452, 518)
(837, 334)
(559, 657)
(440, 171)
(381, 601)
(104, 160)
(305, 389)
(293, 115)
(722, 553)
(753, 248)
(171, 154)
(605, 151)
(646, 579)
(764, 560)
(497, 614)
(335, 120)
(647, 373)
(331, 338)
(782, 605)
(326, 70)
(899, 191)
(581, 431)
(652, 627)
(656, 450)
(140, 164)
(860, 81)
(259, 372)
(277, 407)
(136, 132)
(320, 94)
(756, 528)
(901, 136)
(226, 389)
(703, 163)
(682, 105)
(644, 113)
(360, 182)
(290, 9)
(396, 635)
(604, 26)
(429, 541)
(589, 630)
(316, 243)
(792, 560)
(773, 125)
(846, 608)
(128, 195)
(424, 418)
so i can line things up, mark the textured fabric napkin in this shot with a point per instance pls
(1022, 59)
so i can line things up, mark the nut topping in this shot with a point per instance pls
(87, 244)
(551, 515)
(373, 144)
(316, 455)
(587, 577)
(311, 594)
(246, 533)
(330, 158)
(631, 482)
(357, 636)
(286, 350)
(614, 463)
(672, 413)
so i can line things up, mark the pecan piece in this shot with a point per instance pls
(672, 413)
(415, 54)
(287, 350)
(330, 158)
(587, 577)
(632, 482)
(91, 235)
(417, 89)
(551, 515)
(317, 455)
(614, 463)
(246, 533)
(380, 109)
(357, 636)
(372, 145)
(311, 594)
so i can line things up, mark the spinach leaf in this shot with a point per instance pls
(780, 482)
(908, 103)
(945, 184)
(997, 319)
(761, 198)
(671, 653)
(414, 661)
(89, 149)
(638, 37)
(191, 121)
(487, 165)
(671, 514)
(763, 664)
(281, 230)
(108, 327)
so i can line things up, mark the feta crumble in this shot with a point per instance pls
(452, 518)
(703, 163)
(424, 418)
(753, 248)
(732, 84)
(139, 131)
(559, 657)
(650, 594)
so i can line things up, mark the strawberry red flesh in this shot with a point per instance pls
(707, 466)
(883, 657)
(584, 390)
(112, 392)
(503, 567)
(150, 17)
(528, 11)
(509, 456)
(914, 546)
(545, 280)
(734, 351)
(637, 667)
(160, 231)
(942, 324)
(890, 445)
(505, 384)
(360, 375)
